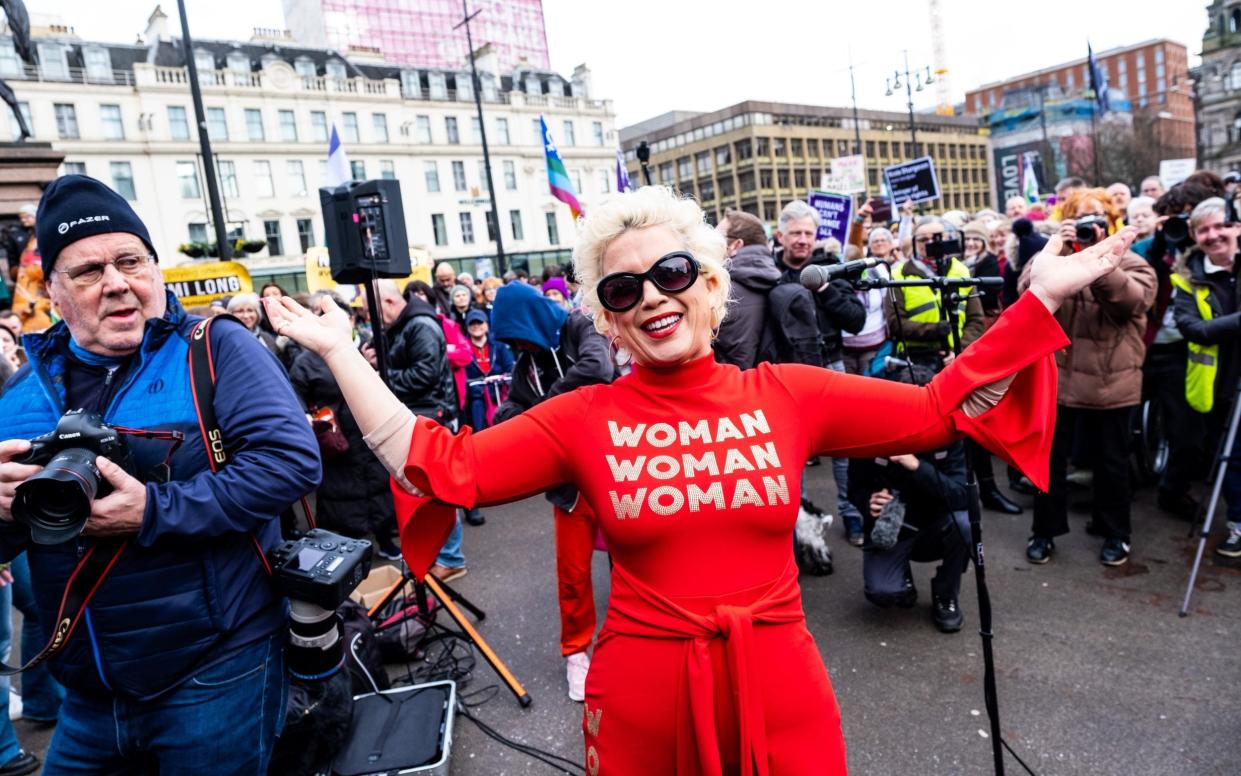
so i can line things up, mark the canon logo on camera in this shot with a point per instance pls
(65, 226)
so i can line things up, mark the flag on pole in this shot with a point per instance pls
(338, 171)
(1098, 82)
(557, 175)
(623, 183)
(1029, 181)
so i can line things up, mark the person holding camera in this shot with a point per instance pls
(1207, 314)
(917, 508)
(177, 661)
(1100, 381)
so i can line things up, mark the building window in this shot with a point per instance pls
(502, 131)
(54, 61)
(123, 180)
(197, 232)
(536, 130)
(568, 139)
(217, 124)
(98, 64)
(422, 126)
(553, 231)
(467, 228)
(577, 182)
(604, 185)
(482, 176)
(350, 127)
(491, 228)
(387, 169)
(683, 169)
(10, 65)
(450, 125)
(288, 126)
(178, 123)
(204, 61)
(514, 220)
(335, 69)
(357, 170)
(113, 127)
(262, 179)
(271, 230)
(510, 176)
(297, 177)
(75, 168)
(439, 229)
(318, 126)
(238, 62)
(254, 124)
(476, 131)
(66, 121)
(305, 67)
(703, 161)
(431, 173)
(228, 178)
(458, 176)
(305, 233)
(380, 123)
(596, 131)
(187, 176)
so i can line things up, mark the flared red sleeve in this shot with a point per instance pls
(518, 458)
(850, 416)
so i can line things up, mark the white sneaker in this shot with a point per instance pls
(15, 705)
(577, 666)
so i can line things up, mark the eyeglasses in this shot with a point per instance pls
(672, 274)
(89, 274)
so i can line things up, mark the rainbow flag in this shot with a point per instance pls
(557, 176)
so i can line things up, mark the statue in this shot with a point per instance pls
(19, 26)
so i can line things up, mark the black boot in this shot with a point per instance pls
(995, 500)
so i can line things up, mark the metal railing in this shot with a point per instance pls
(78, 75)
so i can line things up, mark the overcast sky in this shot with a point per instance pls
(649, 57)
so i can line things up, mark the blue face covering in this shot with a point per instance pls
(93, 359)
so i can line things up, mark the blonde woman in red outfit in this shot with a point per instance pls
(704, 664)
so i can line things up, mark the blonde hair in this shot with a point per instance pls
(648, 206)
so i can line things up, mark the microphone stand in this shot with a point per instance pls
(950, 296)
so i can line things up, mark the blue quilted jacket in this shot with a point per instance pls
(190, 588)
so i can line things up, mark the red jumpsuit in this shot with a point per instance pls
(704, 664)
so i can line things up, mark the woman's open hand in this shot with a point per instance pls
(1055, 278)
(319, 333)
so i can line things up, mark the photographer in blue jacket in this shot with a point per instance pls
(176, 664)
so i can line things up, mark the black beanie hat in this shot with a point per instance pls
(78, 206)
(1029, 241)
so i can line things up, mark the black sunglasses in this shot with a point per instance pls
(672, 274)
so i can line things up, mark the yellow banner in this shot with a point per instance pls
(319, 272)
(197, 284)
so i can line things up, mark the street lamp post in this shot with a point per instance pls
(204, 139)
(895, 83)
(501, 267)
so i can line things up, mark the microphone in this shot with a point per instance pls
(816, 276)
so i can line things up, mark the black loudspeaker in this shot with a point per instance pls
(364, 222)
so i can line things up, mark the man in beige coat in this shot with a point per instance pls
(1100, 382)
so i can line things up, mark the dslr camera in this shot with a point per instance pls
(938, 247)
(1086, 229)
(317, 571)
(56, 502)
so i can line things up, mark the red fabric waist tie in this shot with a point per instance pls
(636, 609)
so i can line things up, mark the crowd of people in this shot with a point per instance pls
(1160, 327)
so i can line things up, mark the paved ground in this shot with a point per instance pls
(1097, 674)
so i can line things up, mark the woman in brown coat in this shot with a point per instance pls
(1100, 382)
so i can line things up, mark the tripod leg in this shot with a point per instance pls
(514, 686)
(1220, 474)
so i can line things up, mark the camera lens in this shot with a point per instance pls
(1176, 230)
(1086, 233)
(55, 503)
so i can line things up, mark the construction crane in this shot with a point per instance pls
(939, 61)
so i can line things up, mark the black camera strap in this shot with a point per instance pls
(202, 384)
(86, 578)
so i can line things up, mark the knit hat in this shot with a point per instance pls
(557, 284)
(975, 229)
(77, 206)
(1029, 241)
